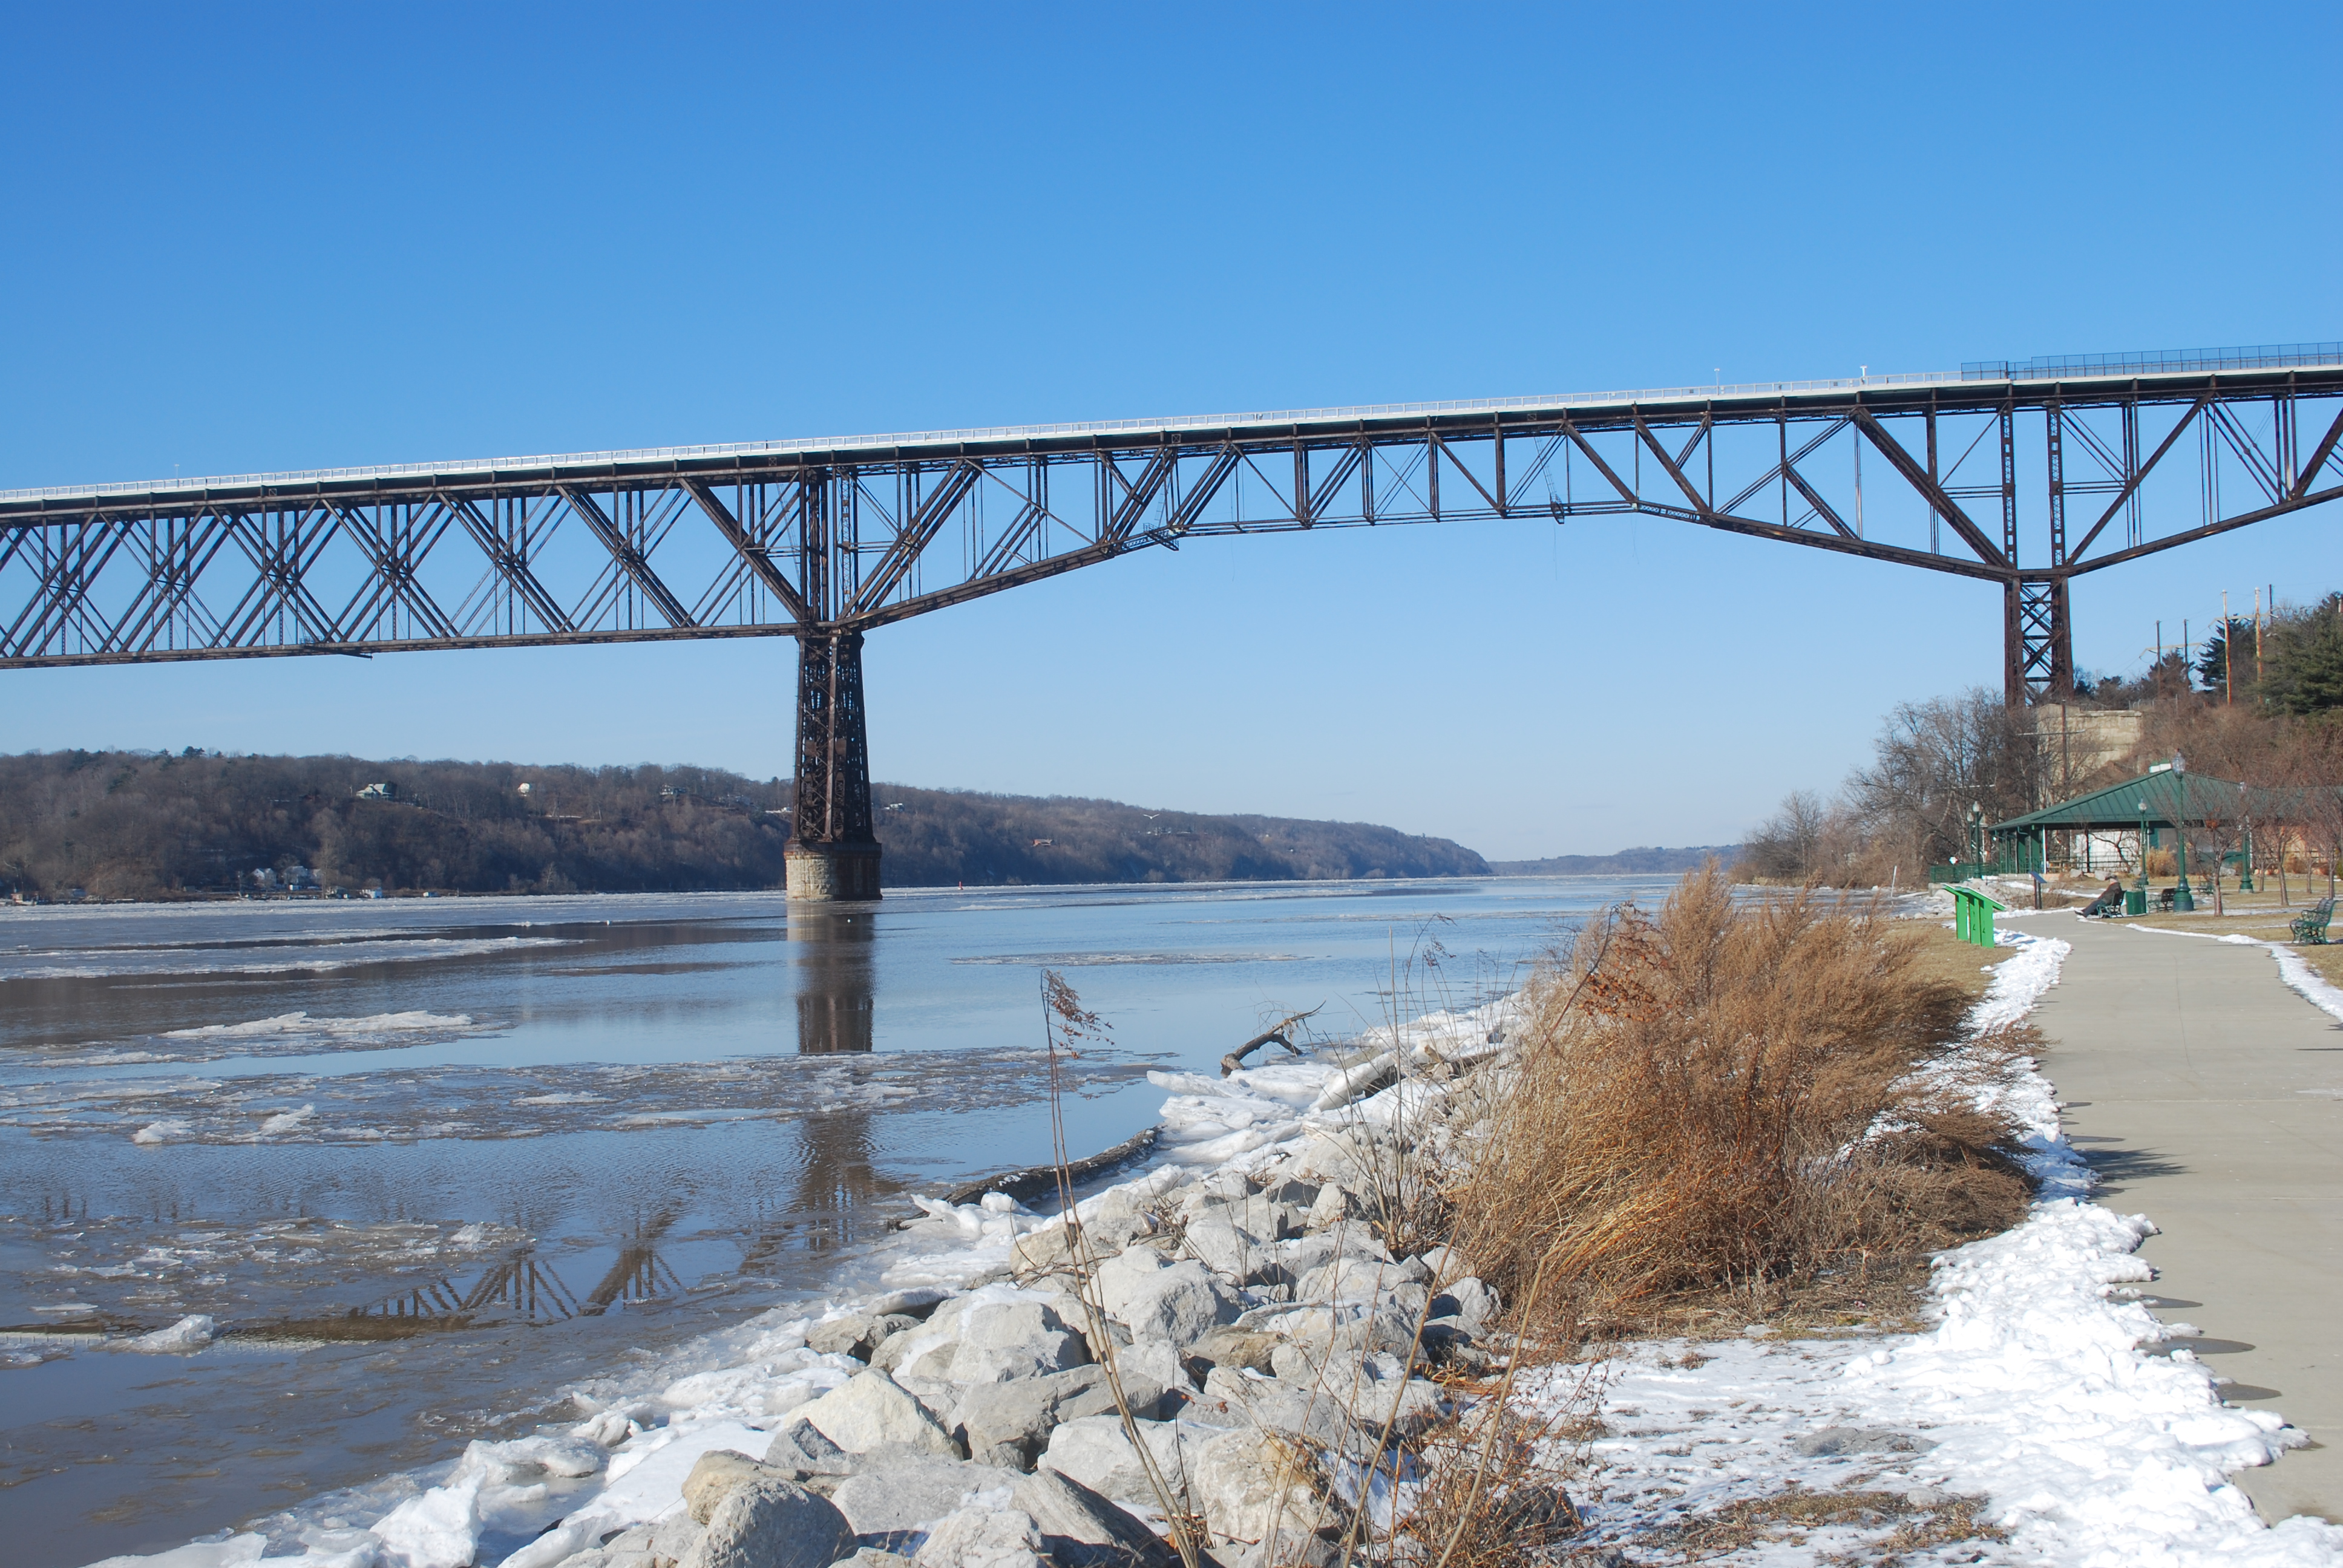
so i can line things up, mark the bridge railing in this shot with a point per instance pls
(976, 435)
(2153, 362)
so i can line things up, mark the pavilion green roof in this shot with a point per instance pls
(2168, 797)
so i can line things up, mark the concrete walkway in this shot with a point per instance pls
(2209, 1097)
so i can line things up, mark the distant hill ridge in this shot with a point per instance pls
(146, 825)
(1643, 862)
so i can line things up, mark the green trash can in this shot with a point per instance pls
(2134, 900)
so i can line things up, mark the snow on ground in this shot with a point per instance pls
(2030, 1393)
(2313, 987)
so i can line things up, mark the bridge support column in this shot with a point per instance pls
(833, 855)
(2038, 641)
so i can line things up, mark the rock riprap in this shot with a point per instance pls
(1269, 1346)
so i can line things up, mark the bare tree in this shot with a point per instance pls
(2314, 784)
(1933, 761)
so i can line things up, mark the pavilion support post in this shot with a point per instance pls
(833, 854)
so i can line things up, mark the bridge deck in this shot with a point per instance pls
(2306, 368)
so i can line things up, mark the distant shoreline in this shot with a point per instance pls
(186, 900)
(1652, 861)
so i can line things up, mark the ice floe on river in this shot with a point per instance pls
(399, 1104)
(302, 956)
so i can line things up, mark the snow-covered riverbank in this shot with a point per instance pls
(954, 1362)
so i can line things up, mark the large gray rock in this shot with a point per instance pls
(873, 1557)
(673, 1537)
(1007, 1423)
(1174, 1303)
(1315, 1333)
(1305, 1411)
(872, 1410)
(1363, 1281)
(1049, 1253)
(1378, 1388)
(983, 1538)
(1113, 1223)
(1446, 1265)
(771, 1524)
(905, 1490)
(1233, 1251)
(858, 1334)
(1290, 1262)
(854, 1335)
(1467, 1300)
(1338, 1204)
(1082, 1529)
(803, 1449)
(1002, 1340)
(1234, 1347)
(1117, 1221)
(1290, 1193)
(1094, 1451)
(1123, 1275)
(719, 1471)
(1153, 1378)
(922, 1351)
(1249, 1483)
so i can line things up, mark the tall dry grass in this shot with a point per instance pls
(1720, 1095)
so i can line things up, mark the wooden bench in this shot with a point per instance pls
(2310, 926)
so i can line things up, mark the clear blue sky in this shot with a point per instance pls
(247, 238)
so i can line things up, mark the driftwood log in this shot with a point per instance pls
(1274, 1035)
(1036, 1181)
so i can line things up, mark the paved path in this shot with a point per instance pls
(2209, 1097)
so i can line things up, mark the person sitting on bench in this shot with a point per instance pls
(2107, 903)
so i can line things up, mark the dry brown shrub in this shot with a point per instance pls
(1723, 1094)
(1494, 1478)
(1795, 1513)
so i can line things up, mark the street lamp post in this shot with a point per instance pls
(2136, 903)
(1976, 836)
(2181, 901)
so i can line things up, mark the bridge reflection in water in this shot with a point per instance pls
(525, 1288)
(828, 1200)
(832, 1200)
(831, 948)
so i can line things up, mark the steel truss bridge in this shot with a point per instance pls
(2024, 475)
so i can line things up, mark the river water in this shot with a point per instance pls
(428, 1162)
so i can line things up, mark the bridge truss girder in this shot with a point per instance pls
(827, 541)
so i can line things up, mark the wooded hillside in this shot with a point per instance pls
(134, 825)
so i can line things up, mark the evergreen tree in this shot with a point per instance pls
(2302, 660)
